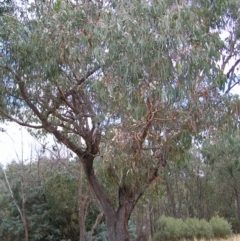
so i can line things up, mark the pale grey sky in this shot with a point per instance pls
(16, 143)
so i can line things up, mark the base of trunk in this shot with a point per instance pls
(117, 230)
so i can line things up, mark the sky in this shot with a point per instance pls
(16, 144)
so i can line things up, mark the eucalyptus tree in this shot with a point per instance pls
(137, 81)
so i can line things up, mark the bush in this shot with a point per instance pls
(191, 223)
(204, 229)
(171, 229)
(221, 228)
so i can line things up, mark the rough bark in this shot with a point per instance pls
(115, 221)
(117, 229)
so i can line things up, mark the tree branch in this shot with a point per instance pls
(96, 224)
(229, 56)
(107, 205)
(19, 122)
(230, 86)
(232, 68)
(89, 73)
(11, 194)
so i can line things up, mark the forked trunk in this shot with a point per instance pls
(117, 226)
(116, 221)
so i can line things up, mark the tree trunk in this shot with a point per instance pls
(146, 229)
(25, 227)
(235, 188)
(23, 215)
(116, 221)
(81, 207)
(148, 221)
(170, 196)
(117, 227)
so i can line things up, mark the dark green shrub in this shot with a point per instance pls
(171, 229)
(221, 228)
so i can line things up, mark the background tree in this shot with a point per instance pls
(223, 157)
(50, 201)
(146, 71)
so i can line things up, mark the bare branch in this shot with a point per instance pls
(94, 227)
(11, 194)
(64, 99)
(230, 85)
(233, 68)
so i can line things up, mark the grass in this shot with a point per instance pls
(232, 238)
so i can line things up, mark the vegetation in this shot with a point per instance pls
(190, 229)
(133, 89)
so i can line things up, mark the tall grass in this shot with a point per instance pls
(231, 238)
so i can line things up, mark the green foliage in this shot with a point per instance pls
(220, 227)
(101, 233)
(199, 228)
(6, 6)
(135, 51)
(132, 229)
(51, 203)
(59, 189)
(191, 228)
(61, 195)
(222, 156)
(170, 229)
